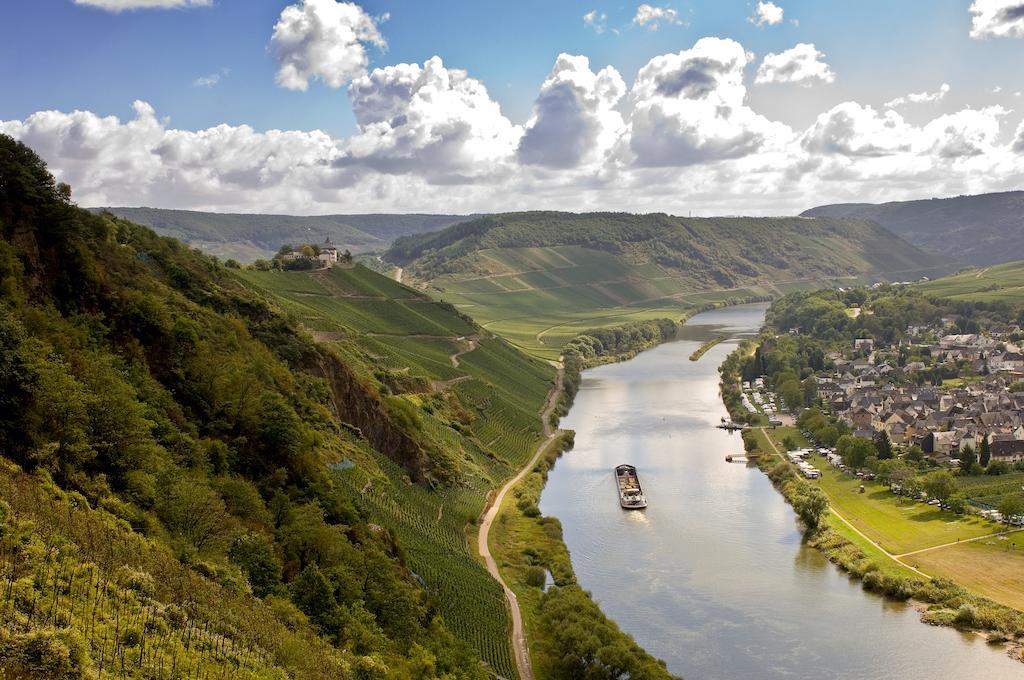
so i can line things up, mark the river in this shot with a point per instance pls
(712, 577)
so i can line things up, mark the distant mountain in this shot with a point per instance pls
(247, 237)
(542, 278)
(983, 229)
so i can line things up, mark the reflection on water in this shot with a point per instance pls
(713, 576)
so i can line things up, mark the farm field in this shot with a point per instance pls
(540, 298)
(1002, 282)
(993, 567)
(392, 332)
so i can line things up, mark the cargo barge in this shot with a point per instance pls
(631, 496)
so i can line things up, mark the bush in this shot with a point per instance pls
(536, 577)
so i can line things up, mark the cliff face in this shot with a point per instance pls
(357, 404)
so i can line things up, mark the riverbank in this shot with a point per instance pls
(942, 602)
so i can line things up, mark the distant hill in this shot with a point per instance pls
(983, 229)
(539, 278)
(246, 237)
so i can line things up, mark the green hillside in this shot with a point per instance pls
(540, 279)
(1001, 282)
(246, 237)
(982, 230)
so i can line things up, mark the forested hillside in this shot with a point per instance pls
(208, 471)
(541, 278)
(984, 229)
(247, 237)
(170, 436)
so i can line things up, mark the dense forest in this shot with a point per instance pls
(715, 252)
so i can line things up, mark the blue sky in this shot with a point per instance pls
(841, 71)
(55, 54)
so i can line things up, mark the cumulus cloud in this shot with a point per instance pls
(651, 17)
(690, 107)
(802, 64)
(596, 20)
(122, 5)
(428, 119)
(923, 97)
(323, 39)
(683, 137)
(997, 19)
(574, 118)
(766, 14)
(1018, 142)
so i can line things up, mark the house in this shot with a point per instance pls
(1007, 361)
(1007, 450)
(328, 253)
(863, 343)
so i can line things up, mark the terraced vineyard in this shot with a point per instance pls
(1002, 282)
(380, 325)
(540, 298)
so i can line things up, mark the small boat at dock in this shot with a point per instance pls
(631, 496)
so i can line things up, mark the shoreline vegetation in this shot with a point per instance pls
(942, 602)
(703, 349)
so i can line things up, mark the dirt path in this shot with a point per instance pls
(471, 344)
(522, 652)
(966, 540)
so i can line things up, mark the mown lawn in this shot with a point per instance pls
(992, 567)
(884, 562)
(897, 524)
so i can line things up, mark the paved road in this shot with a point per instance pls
(522, 652)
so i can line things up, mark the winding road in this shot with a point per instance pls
(519, 646)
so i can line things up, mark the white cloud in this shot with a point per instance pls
(596, 20)
(122, 5)
(922, 97)
(802, 64)
(430, 120)
(1018, 143)
(212, 79)
(651, 17)
(690, 107)
(685, 137)
(997, 19)
(574, 118)
(323, 39)
(766, 13)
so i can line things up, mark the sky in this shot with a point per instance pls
(686, 107)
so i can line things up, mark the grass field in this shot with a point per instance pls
(991, 567)
(896, 523)
(382, 326)
(988, 284)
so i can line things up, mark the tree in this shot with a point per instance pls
(985, 451)
(901, 476)
(809, 502)
(254, 554)
(967, 458)
(1012, 505)
(939, 484)
(854, 450)
(883, 445)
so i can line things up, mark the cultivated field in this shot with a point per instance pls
(990, 284)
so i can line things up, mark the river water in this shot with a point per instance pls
(712, 576)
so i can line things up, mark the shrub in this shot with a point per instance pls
(536, 577)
